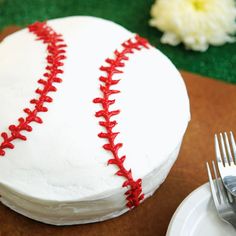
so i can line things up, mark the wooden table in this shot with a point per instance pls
(213, 109)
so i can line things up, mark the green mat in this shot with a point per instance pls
(217, 62)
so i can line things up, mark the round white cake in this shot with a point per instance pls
(72, 169)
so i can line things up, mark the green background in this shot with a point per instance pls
(217, 62)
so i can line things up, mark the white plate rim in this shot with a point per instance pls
(186, 208)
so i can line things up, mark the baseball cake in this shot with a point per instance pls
(91, 120)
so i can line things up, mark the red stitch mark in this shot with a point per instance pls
(134, 194)
(56, 53)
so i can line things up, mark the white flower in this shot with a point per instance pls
(196, 23)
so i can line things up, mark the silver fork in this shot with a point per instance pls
(226, 160)
(224, 202)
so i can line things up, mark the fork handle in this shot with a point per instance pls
(233, 223)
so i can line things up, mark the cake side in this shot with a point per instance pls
(101, 208)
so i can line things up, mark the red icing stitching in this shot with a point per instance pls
(134, 194)
(56, 53)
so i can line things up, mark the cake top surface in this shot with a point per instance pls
(63, 158)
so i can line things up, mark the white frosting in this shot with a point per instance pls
(60, 174)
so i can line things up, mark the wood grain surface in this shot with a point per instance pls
(213, 109)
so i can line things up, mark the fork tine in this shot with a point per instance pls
(230, 196)
(233, 145)
(212, 186)
(228, 148)
(219, 184)
(217, 151)
(225, 161)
